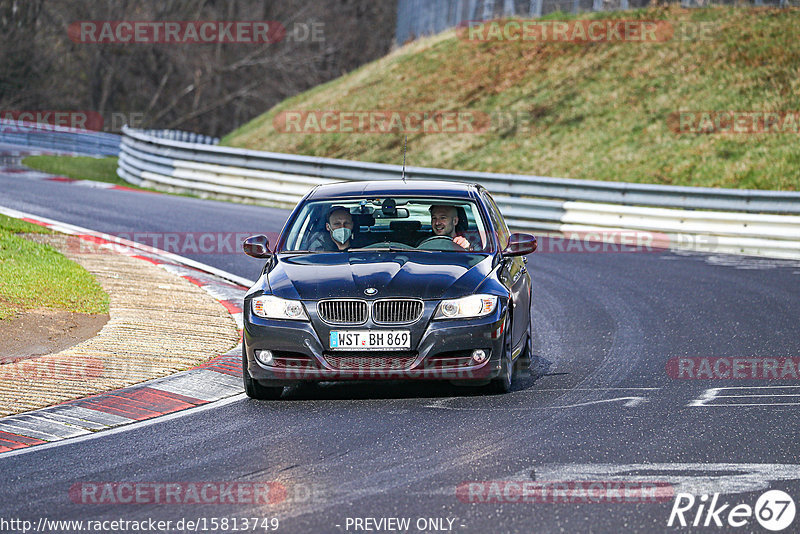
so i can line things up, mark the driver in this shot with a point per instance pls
(444, 219)
(340, 230)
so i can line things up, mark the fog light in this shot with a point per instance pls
(479, 355)
(264, 357)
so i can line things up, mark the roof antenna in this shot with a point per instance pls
(405, 144)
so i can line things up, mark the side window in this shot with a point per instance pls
(497, 221)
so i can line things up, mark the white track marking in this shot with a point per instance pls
(708, 397)
(126, 428)
(694, 478)
(202, 384)
(441, 404)
(13, 427)
(87, 414)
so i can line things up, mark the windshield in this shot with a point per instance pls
(441, 225)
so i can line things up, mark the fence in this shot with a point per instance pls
(58, 139)
(416, 18)
(733, 221)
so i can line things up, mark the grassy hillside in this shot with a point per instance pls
(34, 275)
(593, 111)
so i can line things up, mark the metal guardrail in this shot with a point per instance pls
(58, 138)
(733, 220)
(137, 145)
(180, 135)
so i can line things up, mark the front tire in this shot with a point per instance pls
(252, 388)
(502, 383)
(524, 361)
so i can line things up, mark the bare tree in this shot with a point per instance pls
(208, 88)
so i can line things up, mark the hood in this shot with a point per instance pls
(422, 275)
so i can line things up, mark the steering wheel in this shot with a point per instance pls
(433, 239)
(386, 244)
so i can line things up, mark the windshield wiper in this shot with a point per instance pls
(382, 249)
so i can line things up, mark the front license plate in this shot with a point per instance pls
(370, 340)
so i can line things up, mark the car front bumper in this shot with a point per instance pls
(440, 350)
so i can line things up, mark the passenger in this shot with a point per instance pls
(339, 228)
(444, 219)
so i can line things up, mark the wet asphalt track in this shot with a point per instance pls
(605, 326)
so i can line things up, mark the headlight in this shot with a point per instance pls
(471, 306)
(272, 307)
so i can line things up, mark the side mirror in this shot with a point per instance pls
(520, 245)
(257, 246)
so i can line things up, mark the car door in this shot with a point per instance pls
(513, 274)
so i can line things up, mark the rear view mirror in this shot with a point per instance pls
(389, 208)
(257, 246)
(520, 245)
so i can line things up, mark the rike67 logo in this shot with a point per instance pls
(774, 510)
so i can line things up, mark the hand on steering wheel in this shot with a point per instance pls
(429, 239)
(461, 241)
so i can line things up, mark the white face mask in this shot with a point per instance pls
(341, 234)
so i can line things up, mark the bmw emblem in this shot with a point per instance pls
(370, 291)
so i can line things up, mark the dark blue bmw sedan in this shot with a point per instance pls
(389, 280)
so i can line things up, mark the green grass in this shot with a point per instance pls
(591, 111)
(78, 167)
(34, 275)
(18, 226)
(88, 168)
